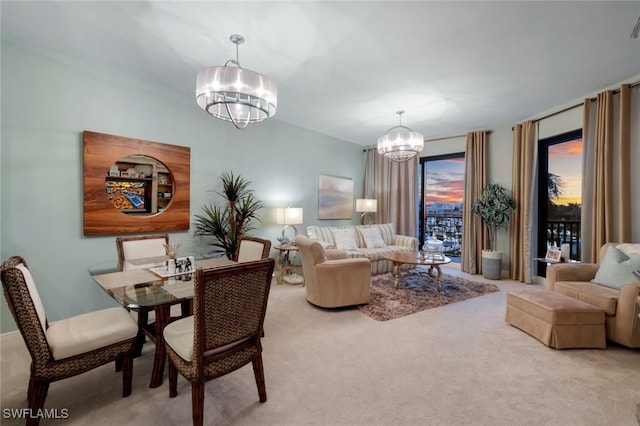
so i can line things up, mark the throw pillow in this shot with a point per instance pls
(372, 237)
(630, 249)
(345, 239)
(616, 269)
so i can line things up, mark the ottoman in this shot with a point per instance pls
(556, 320)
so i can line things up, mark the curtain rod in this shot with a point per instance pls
(631, 85)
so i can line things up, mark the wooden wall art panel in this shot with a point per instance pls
(100, 152)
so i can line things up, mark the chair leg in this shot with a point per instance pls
(173, 380)
(127, 373)
(258, 372)
(197, 402)
(38, 390)
(118, 365)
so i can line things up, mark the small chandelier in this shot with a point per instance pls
(236, 94)
(400, 143)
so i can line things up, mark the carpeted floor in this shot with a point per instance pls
(460, 364)
(418, 292)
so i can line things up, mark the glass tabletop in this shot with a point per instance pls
(135, 288)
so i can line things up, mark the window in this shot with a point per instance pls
(559, 193)
(441, 195)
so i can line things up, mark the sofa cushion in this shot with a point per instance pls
(387, 231)
(377, 253)
(320, 233)
(602, 297)
(616, 269)
(345, 238)
(372, 238)
(630, 249)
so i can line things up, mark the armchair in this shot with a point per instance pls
(67, 347)
(332, 280)
(621, 306)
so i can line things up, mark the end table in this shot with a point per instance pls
(286, 272)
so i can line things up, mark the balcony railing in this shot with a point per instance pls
(565, 232)
(448, 229)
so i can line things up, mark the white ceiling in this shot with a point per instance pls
(344, 68)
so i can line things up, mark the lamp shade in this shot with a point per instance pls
(366, 205)
(289, 215)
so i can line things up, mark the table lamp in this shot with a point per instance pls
(366, 206)
(289, 216)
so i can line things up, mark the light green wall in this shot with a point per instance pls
(49, 99)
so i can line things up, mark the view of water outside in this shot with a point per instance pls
(444, 190)
(565, 195)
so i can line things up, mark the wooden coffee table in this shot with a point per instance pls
(410, 258)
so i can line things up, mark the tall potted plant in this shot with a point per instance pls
(227, 223)
(495, 207)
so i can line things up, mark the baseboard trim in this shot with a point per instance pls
(9, 336)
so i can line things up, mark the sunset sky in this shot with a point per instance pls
(565, 160)
(445, 177)
(444, 181)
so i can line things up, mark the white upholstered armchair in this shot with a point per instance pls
(332, 280)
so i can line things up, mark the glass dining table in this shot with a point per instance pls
(141, 283)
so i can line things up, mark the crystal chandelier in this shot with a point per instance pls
(236, 94)
(400, 143)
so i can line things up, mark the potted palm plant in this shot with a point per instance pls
(227, 223)
(495, 207)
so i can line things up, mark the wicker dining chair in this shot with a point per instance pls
(224, 332)
(252, 248)
(67, 347)
(139, 247)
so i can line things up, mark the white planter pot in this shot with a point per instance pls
(491, 264)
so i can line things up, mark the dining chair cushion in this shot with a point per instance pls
(35, 296)
(147, 247)
(93, 330)
(250, 250)
(179, 335)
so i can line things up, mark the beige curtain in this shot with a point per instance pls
(521, 245)
(606, 204)
(394, 185)
(475, 236)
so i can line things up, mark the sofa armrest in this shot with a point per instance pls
(570, 272)
(627, 325)
(406, 241)
(334, 254)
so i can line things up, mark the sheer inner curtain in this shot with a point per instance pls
(395, 187)
(521, 243)
(610, 188)
(475, 237)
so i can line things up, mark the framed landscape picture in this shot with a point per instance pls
(335, 197)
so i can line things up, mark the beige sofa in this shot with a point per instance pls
(331, 280)
(621, 306)
(364, 243)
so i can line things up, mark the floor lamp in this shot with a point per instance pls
(366, 206)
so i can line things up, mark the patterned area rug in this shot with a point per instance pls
(417, 292)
